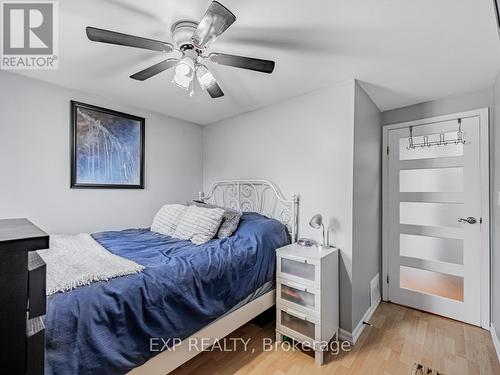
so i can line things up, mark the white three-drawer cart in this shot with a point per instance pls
(307, 296)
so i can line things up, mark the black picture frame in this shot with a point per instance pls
(75, 184)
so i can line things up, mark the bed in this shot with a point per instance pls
(185, 291)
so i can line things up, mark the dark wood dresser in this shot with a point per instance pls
(23, 299)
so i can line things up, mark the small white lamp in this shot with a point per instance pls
(316, 222)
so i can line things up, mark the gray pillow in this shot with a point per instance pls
(230, 219)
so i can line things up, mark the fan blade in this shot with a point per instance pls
(259, 65)
(113, 37)
(215, 21)
(154, 70)
(215, 91)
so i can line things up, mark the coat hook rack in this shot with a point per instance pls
(442, 139)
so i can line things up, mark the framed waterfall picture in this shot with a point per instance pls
(107, 148)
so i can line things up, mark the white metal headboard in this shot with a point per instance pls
(257, 196)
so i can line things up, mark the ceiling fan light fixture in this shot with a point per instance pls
(215, 21)
(191, 88)
(191, 39)
(205, 78)
(184, 73)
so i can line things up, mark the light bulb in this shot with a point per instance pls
(183, 69)
(205, 78)
(184, 72)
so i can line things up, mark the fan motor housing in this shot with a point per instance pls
(182, 32)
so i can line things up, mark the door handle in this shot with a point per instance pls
(469, 220)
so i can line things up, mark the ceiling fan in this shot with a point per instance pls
(192, 40)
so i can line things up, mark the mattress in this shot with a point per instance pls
(107, 327)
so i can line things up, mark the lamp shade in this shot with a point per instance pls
(205, 78)
(184, 73)
(316, 221)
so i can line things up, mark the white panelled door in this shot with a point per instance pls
(434, 220)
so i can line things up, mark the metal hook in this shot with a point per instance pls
(441, 140)
(460, 133)
(426, 141)
(410, 139)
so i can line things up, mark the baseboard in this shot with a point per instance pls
(496, 341)
(345, 335)
(354, 335)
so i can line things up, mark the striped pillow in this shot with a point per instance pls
(230, 220)
(199, 224)
(167, 219)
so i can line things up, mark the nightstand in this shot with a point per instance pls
(307, 296)
(22, 292)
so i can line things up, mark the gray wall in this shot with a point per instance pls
(458, 103)
(367, 206)
(35, 167)
(304, 145)
(495, 220)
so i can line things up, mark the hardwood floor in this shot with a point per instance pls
(398, 338)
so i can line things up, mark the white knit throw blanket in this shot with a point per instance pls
(76, 260)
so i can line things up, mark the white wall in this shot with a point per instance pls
(367, 202)
(304, 145)
(445, 106)
(35, 162)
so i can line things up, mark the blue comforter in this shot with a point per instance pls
(105, 328)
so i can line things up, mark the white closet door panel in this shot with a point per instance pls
(431, 248)
(433, 258)
(423, 281)
(430, 214)
(447, 180)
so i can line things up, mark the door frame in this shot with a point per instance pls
(483, 114)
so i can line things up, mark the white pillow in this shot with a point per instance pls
(167, 219)
(199, 224)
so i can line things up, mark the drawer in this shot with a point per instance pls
(301, 297)
(297, 325)
(301, 270)
(35, 346)
(37, 300)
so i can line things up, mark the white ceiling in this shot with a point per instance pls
(405, 51)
